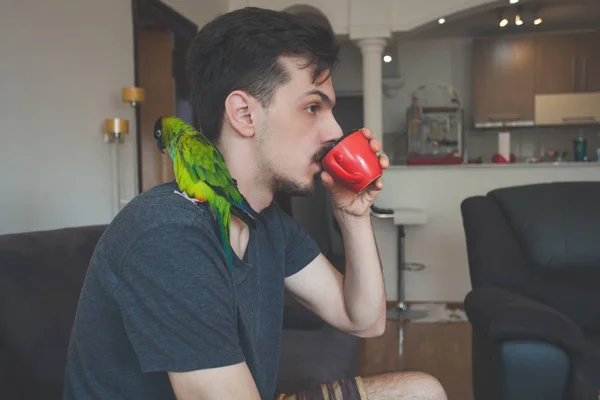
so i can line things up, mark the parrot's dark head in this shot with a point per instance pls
(159, 135)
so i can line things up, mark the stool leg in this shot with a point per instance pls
(401, 262)
(400, 311)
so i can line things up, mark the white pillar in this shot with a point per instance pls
(372, 52)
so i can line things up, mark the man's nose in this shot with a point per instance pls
(333, 132)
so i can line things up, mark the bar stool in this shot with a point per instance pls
(400, 218)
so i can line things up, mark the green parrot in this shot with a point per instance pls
(203, 177)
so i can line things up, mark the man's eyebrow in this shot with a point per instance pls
(326, 99)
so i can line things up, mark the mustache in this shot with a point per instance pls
(319, 154)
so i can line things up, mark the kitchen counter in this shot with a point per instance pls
(440, 244)
(567, 164)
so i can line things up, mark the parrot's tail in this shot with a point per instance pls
(223, 214)
(246, 213)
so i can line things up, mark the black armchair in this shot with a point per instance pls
(534, 263)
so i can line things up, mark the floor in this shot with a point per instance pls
(442, 349)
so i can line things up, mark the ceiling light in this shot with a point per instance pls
(518, 20)
(537, 18)
(513, 1)
(387, 58)
(502, 20)
(441, 21)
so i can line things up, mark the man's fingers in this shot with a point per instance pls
(326, 178)
(367, 133)
(375, 145)
(384, 161)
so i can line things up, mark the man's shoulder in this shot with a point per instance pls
(162, 205)
(157, 224)
(157, 212)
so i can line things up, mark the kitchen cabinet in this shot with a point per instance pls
(567, 108)
(511, 72)
(556, 61)
(567, 63)
(503, 81)
(591, 63)
(592, 77)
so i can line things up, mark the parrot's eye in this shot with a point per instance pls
(158, 133)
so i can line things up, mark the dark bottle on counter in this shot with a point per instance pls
(579, 149)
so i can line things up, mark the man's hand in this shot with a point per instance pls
(347, 203)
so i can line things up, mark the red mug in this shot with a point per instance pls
(352, 163)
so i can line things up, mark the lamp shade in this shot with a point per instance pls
(133, 95)
(116, 126)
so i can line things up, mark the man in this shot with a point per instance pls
(160, 315)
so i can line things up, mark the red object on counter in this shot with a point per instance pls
(499, 159)
(433, 160)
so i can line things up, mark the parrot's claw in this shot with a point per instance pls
(185, 196)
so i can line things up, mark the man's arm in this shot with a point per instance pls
(230, 382)
(354, 303)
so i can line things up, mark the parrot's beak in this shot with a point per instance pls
(160, 146)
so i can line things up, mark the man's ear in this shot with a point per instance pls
(240, 110)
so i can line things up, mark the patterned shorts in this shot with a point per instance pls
(344, 389)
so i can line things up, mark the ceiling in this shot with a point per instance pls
(556, 15)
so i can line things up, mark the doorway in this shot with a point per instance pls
(348, 112)
(161, 38)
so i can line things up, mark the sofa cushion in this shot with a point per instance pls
(594, 344)
(40, 281)
(557, 224)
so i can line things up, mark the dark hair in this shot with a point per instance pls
(240, 50)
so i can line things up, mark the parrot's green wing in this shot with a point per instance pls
(202, 161)
(199, 164)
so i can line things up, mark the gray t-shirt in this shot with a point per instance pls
(158, 296)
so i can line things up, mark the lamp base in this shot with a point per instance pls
(113, 137)
(401, 313)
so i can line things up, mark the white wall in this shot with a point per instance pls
(61, 73)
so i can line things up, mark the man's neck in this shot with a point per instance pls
(241, 164)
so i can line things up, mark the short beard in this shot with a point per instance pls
(293, 188)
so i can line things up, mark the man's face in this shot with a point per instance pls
(299, 127)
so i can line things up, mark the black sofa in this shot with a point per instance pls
(41, 274)
(534, 262)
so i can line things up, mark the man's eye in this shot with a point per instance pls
(313, 108)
